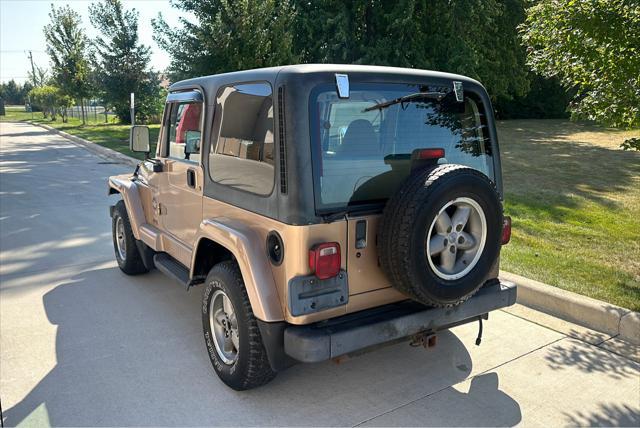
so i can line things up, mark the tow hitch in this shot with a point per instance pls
(425, 339)
(428, 339)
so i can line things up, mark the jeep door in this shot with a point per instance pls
(181, 198)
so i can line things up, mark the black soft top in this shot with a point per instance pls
(292, 198)
(271, 74)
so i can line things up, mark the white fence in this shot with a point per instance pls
(92, 112)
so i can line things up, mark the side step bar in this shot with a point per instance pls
(172, 268)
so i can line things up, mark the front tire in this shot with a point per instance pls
(231, 332)
(124, 243)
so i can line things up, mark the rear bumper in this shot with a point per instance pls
(330, 339)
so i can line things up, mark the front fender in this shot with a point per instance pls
(131, 197)
(249, 250)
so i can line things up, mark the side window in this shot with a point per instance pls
(184, 131)
(243, 154)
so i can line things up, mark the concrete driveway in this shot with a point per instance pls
(83, 344)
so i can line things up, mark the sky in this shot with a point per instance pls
(21, 23)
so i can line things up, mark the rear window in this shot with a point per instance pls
(361, 152)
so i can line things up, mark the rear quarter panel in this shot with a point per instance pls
(297, 242)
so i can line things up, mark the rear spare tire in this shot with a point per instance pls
(440, 234)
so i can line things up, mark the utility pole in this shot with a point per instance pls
(33, 70)
(133, 110)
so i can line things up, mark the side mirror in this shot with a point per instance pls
(139, 139)
(192, 142)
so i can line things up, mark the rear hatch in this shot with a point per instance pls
(362, 145)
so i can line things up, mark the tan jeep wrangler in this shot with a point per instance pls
(325, 209)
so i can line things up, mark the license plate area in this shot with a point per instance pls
(308, 294)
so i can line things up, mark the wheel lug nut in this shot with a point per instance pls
(452, 248)
(460, 240)
(459, 227)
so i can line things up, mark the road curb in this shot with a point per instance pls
(93, 147)
(585, 311)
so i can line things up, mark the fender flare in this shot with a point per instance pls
(131, 197)
(248, 249)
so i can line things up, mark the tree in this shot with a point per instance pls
(40, 77)
(592, 47)
(122, 62)
(228, 35)
(52, 100)
(11, 92)
(150, 104)
(546, 99)
(24, 91)
(476, 38)
(14, 93)
(67, 49)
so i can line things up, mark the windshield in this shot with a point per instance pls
(362, 146)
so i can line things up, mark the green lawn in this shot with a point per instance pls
(573, 194)
(111, 135)
(574, 197)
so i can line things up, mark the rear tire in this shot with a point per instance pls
(231, 332)
(124, 243)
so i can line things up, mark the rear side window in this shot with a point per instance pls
(362, 145)
(243, 154)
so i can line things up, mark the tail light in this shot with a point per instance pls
(506, 230)
(324, 260)
(430, 154)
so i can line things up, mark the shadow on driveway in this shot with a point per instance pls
(129, 352)
(608, 415)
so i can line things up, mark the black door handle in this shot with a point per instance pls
(191, 178)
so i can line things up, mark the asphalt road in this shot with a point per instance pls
(83, 344)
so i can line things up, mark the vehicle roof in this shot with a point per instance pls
(270, 73)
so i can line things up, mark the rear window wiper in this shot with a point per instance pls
(352, 209)
(331, 217)
(438, 96)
